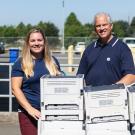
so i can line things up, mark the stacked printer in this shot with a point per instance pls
(62, 111)
(106, 109)
(131, 101)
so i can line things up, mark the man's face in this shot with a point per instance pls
(103, 28)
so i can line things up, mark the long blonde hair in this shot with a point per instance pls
(27, 60)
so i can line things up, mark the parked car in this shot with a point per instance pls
(130, 41)
(2, 47)
(80, 47)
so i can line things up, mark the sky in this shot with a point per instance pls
(12, 12)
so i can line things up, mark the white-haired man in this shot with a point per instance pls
(107, 60)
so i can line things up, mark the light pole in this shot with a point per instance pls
(63, 47)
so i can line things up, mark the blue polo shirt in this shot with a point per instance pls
(31, 86)
(106, 64)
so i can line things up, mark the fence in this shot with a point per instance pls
(7, 101)
(54, 42)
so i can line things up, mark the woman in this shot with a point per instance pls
(36, 61)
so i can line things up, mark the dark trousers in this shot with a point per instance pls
(28, 125)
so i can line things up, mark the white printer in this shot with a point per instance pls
(106, 103)
(61, 97)
(60, 127)
(108, 128)
(131, 99)
(62, 106)
(106, 110)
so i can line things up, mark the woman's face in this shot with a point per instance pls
(36, 43)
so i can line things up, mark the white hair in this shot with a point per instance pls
(102, 14)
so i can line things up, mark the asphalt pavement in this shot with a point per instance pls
(9, 128)
(9, 124)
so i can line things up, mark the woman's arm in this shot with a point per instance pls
(16, 83)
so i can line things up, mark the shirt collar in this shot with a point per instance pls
(112, 42)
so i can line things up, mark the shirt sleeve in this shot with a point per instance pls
(17, 69)
(82, 69)
(127, 61)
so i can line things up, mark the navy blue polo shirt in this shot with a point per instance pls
(31, 86)
(106, 64)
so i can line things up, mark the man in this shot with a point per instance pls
(108, 60)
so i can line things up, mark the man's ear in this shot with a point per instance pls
(111, 26)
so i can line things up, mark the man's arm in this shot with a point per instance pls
(127, 79)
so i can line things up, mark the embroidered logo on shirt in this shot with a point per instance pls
(108, 59)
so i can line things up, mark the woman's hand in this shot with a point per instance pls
(36, 114)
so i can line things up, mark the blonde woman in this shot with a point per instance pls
(36, 61)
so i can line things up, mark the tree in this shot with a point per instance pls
(132, 27)
(72, 20)
(120, 28)
(73, 27)
(28, 27)
(49, 28)
(133, 22)
(10, 32)
(2, 28)
(21, 30)
(89, 30)
(43, 26)
(50, 31)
